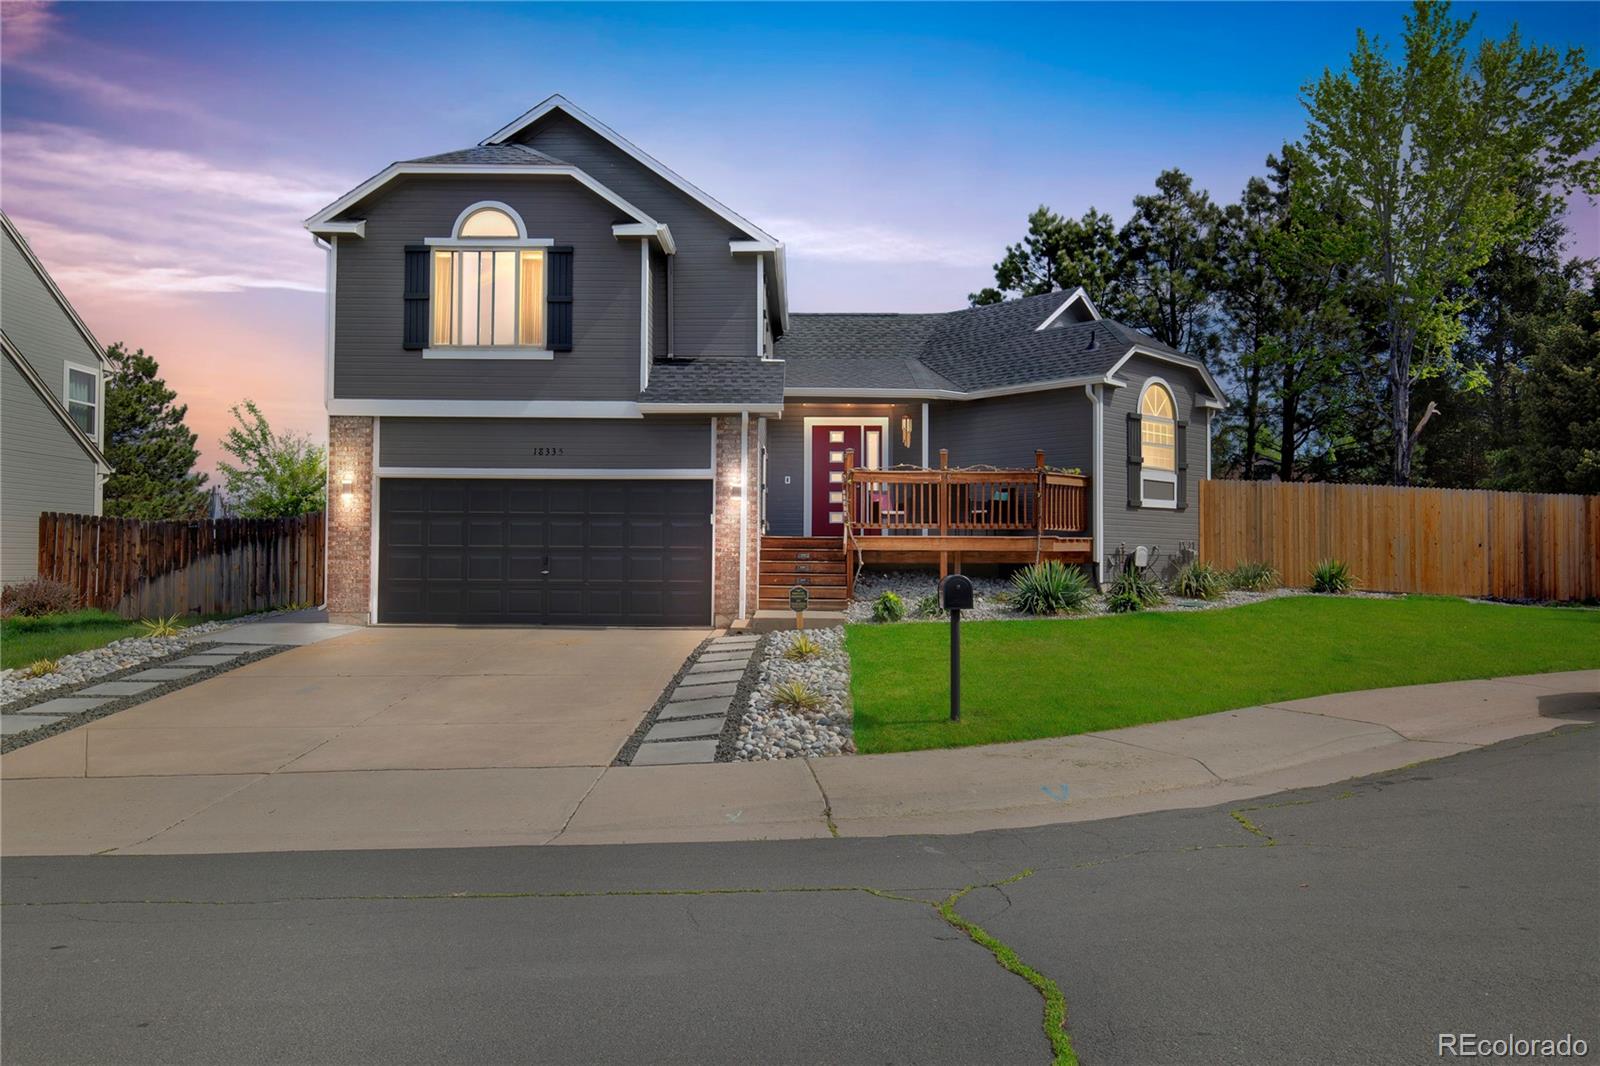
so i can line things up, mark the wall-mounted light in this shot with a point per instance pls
(905, 431)
(347, 488)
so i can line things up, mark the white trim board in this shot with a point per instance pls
(1078, 296)
(50, 283)
(544, 473)
(54, 403)
(802, 392)
(487, 408)
(811, 421)
(488, 352)
(1219, 400)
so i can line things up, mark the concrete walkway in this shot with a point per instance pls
(290, 788)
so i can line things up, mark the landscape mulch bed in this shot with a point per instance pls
(730, 728)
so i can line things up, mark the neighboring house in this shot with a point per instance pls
(564, 386)
(52, 428)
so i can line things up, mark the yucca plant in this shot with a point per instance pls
(161, 627)
(41, 667)
(802, 648)
(888, 607)
(929, 607)
(1050, 587)
(1199, 581)
(1122, 602)
(1131, 590)
(796, 696)
(1253, 577)
(1332, 576)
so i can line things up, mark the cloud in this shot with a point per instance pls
(25, 25)
(867, 243)
(129, 218)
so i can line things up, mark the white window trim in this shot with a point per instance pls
(504, 208)
(810, 422)
(457, 243)
(1169, 477)
(487, 352)
(99, 394)
(486, 244)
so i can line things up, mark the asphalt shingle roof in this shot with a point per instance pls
(716, 381)
(495, 155)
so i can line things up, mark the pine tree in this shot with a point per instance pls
(150, 448)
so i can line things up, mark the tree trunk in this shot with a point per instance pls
(1400, 417)
(1252, 420)
(1287, 428)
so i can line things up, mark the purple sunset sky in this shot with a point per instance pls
(160, 158)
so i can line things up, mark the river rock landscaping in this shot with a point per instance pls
(769, 731)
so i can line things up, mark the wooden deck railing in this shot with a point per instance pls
(950, 502)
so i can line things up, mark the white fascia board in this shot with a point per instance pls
(710, 408)
(1078, 296)
(561, 103)
(532, 472)
(50, 283)
(339, 229)
(395, 170)
(659, 231)
(800, 392)
(59, 409)
(1218, 400)
(486, 408)
(780, 280)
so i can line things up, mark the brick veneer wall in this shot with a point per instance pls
(730, 495)
(350, 520)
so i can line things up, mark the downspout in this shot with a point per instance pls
(672, 325)
(1097, 478)
(924, 434)
(744, 508)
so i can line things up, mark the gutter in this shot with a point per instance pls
(1097, 531)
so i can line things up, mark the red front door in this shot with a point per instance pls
(828, 445)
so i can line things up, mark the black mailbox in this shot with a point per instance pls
(956, 593)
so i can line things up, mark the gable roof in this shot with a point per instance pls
(53, 403)
(494, 155)
(50, 283)
(986, 350)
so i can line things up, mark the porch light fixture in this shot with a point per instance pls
(347, 488)
(905, 431)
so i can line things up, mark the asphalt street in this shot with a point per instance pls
(1346, 924)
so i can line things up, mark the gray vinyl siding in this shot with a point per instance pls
(665, 443)
(715, 291)
(786, 455)
(369, 361)
(42, 468)
(658, 304)
(1128, 527)
(36, 323)
(1006, 430)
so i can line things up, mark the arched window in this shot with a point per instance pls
(488, 283)
(1158, 422)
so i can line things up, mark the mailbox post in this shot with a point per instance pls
(955, 595)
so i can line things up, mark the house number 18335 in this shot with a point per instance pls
(550, 450)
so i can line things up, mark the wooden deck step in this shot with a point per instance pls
(835, 555)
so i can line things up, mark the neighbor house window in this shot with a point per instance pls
(490, 296)
(1158, 446)
(83, 397)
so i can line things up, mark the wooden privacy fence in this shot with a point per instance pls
(214, 566)
(1456, 542)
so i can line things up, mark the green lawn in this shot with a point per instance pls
(1051, 678)
(24, 640)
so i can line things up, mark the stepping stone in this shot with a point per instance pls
(226, 649)
(730, 660)
(63, 705)
(202, 660)
(21, 723)
(164, 673)
(675, 752)
(707, 675)
(687, 691)
(696, 708)
(695, 727)
(734, 642)
(119, 688)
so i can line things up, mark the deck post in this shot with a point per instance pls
(849, 517)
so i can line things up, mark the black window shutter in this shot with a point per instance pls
(558, 298)
(416, 297)
(1135, 459)
(1183, 465)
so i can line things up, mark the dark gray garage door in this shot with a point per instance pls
(626, 553)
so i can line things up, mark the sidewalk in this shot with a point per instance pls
(1234, 755)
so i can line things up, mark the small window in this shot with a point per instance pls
(835, 436)
(1158, 429)
(836, 477)
(836, 497)
(488, 222)
(489, 298)
(836, 457)
(83, 397)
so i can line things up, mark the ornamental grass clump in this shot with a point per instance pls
(1199, 581)
(802, 648)
(160, 627)
(1253, 577)
(929, 607)
(1050, 587)
(1131, 590)
(1332, 576)
(796, 696)
(888, 607)
(41, 667)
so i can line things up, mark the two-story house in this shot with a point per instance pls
(564, 386)
(52, 423)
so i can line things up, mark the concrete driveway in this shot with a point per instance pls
(507, 726)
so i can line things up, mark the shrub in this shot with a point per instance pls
(1199, 581)
(796, 696)
(929, 607)
(1332, 576)
(36, 598)
(803, 648)
(41, 667)
(1131, 590)
(160, 627)
(888, 607)
(1050, 587)
(1253, 577)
